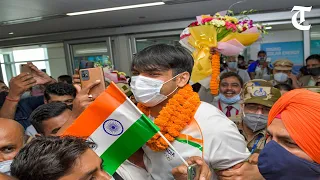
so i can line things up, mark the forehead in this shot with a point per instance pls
(10, 136)
(277, 128)
(313, 61)
(231, 79)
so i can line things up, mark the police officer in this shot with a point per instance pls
(282, 73)
(258, 97)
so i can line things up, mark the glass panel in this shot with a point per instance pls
(142, 43)
(29, 54)
(315, 39)
(96, 52)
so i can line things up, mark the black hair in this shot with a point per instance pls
(262, 52)
(231, 74)
(3, 96)
(313, 56)
(1, 81)
(48, 158)
(60, 89)
(65, 78)
(162, 57)
(283, 86)
(45, 112)
(241, 57)
(196, 87)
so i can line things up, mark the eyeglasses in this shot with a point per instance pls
(254, 108)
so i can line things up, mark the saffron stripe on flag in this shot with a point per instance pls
(128, 143)
(90, 120)
(126, 114)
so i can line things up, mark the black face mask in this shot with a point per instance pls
(314, 71)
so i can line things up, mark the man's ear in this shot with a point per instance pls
(183, 79)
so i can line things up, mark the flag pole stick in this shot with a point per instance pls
(164, 138)
(174, 149)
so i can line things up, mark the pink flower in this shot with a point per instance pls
(205, 20)
(231, 26)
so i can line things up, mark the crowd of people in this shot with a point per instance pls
(264, 124)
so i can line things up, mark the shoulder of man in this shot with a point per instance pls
(305, 80)
(252, 67)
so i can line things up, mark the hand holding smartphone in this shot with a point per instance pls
(91, 75)
(194, 172)
(24, 68)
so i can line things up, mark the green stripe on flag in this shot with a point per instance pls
(194, 144)
(128, 143)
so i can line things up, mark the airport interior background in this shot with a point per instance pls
(49, 34)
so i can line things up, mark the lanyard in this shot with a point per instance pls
(220, 107)
(255, 145)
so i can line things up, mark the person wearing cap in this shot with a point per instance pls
(258, 97)
(282, 73)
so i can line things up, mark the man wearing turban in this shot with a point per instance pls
(293, 146)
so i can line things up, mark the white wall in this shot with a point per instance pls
(275, 36)
(57, 60)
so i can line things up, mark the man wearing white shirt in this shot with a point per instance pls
(232, 62)
(160, 84)
(228, 100)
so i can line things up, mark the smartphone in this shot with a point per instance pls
(88, 76)
(193, 172)
(86, 64)
(25, 68)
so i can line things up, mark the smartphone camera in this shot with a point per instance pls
(85, 75)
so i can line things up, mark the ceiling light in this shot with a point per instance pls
(116, 8)
(268, 27)
(11, 33)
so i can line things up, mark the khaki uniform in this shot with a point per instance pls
(313, 88)
(256, 92)
(259, 137)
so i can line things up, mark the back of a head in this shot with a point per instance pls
(45, 112)
(48, 158)
(162, 57)
(60, 89)
(65, 78)
(284, 86)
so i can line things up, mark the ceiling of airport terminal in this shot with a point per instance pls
(55, 10)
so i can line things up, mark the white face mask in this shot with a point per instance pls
(5, 167)
(280, 77)
(147, 90)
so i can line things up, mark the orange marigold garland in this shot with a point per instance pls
(174, 117)
(215, 80)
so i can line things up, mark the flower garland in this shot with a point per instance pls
(174, 117)
(215, 80)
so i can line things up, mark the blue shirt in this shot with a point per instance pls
(252, 67)
(25, 107)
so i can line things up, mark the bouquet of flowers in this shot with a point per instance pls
(225, 34)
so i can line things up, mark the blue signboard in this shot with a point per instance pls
(315, 47)
(286, 50)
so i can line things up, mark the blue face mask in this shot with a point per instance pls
(275, 162)
(226, 100)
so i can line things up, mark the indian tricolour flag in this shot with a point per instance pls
(116, 125)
